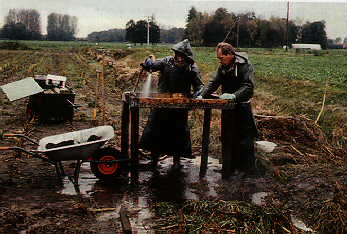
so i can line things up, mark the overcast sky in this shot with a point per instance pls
(99, 15)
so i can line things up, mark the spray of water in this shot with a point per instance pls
(147, 86)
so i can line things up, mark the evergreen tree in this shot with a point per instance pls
(195, 27)
(137, 32)
(218, 27)
(130, 31)
(314, 33)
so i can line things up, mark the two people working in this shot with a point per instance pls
(167, 132)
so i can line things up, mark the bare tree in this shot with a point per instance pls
(73, 25)
(28, 20)
(11, 17)
(61, 27)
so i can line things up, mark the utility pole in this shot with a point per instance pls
(237, 32)
(147, 30)
(287, 26)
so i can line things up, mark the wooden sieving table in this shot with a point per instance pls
(130, 117)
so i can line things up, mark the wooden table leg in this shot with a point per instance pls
(134, 118)
(125, 129)
(205, 142)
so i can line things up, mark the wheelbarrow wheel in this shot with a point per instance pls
(108, 171)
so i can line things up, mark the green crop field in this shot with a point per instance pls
(290, 83)
(287, 83)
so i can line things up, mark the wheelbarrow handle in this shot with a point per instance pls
(20, 135)
(7, 134)
(76, 106)
(5, 148)
(33, 154)
(15, 148)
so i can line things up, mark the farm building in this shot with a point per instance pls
(307, 46)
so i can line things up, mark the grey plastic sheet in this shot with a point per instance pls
(22, 88)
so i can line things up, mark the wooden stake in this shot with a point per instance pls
(101, 209)
(124, 218)
(103, 92)
(94, 111)
(323, 102)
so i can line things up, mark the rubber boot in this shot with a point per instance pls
(176, 162)
(154, 160)
(247, 161)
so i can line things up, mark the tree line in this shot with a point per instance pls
(248, 30)
(25, 24)
(112, 35)
(241, 30)
(167, 35)
(202, 29)
(136, 32)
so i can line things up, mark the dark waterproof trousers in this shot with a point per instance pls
(238, 132)
(167, 133)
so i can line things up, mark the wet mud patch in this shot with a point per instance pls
(301, 175)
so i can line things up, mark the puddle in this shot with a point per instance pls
(140, 216)
(176, 181)
(86, 182)
(165, 184)
(185, 183)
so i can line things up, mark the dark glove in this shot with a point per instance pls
(147, 64)
(143, 65)
(198, 92)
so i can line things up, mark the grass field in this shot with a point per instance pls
(288, 83)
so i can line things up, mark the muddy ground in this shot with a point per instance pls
(303, 173)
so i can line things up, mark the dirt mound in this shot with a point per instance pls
(96, 53)
(118, 54)
(291, 129)
(300, 137)
(11, 45)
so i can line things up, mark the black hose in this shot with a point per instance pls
(138, 80)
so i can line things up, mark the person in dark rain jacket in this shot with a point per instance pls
(235, 75)
(167, 132)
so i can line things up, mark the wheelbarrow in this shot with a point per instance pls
(82, 146)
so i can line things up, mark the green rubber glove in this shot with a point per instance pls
(228, 96)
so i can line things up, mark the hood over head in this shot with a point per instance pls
(184, 48)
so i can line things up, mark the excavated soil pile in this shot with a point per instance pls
(300, 136)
